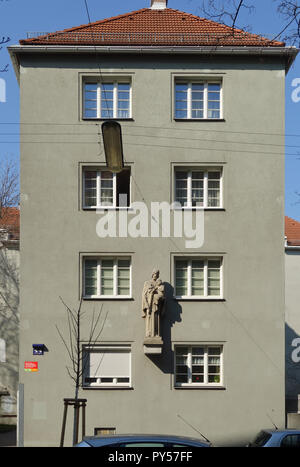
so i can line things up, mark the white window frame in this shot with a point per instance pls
(189, 82)
(189, 171)
(115, 82)
(205, 384)
(115, 277)
(98, 190)
(114, 384)
(189, 277)
(2, 350)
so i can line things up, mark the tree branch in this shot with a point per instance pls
(224, 11)
(9, 177)
(4, 40)
(237, 13)
(73, 348)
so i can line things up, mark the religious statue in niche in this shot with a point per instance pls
(153, 300)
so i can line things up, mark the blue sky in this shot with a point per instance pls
(17, 17)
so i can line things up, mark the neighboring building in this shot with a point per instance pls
(9, 313)
(198, 107)
(292, 311)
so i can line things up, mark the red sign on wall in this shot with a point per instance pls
(31, 366)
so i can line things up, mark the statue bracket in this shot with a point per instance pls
(153, 345)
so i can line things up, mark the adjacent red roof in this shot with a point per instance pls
(292, 231)
(155, 28)
(10, 222)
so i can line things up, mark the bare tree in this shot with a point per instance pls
(9, 185)
(225, 11)
(229, 11)
(291, 14)
(9, 287)
(4, 40)
(75, 351)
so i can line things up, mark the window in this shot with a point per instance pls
(7, 405)
(105, 366)
(198, 188)
(198, 100)
(106, 189)
(198, 365)
(198, 278)
(291, 441)
(107, 277)
(104, 431)
(111, 99)
(261, 439)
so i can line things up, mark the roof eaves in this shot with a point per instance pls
(288, 53)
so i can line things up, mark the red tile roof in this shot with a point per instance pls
(292, 231)
(155, 28)
(10, 222)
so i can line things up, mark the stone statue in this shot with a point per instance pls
(152, 305)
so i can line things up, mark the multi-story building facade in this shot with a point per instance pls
(9, 313)
(198, 107)
(292, 297)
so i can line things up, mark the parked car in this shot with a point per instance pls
(276, 438)
(135, 441)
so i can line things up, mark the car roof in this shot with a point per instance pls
(141, 437)
(283, 432)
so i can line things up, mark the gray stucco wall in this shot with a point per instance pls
(55, 231)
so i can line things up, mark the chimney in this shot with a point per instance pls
(159, 4)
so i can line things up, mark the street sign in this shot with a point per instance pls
(31, 366)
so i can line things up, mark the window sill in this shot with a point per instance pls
(222, 388)
(198, 208)
(200, 299)
(130, 119)
(199, 119)
(107, 387)
(108, 298)
(107, 208)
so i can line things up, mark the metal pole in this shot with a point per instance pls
(63, 424)
(20, 412)
(83, 420)
(76, 408)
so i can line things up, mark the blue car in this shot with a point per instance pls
(136, 441)
(276, 439)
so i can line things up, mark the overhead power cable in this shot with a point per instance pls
(209, 130)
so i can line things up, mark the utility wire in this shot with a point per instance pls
(295, 135)
(156, 137)
(198, 148)
(97, 54)
(106, 102)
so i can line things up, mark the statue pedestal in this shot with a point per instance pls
(153, 345)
